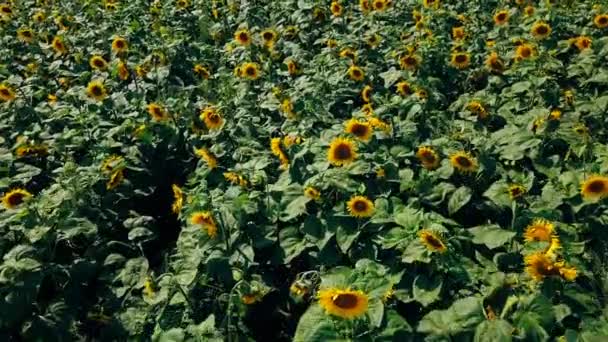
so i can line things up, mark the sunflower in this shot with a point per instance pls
(38, 17)
(212, 119)
(516, 191)
(380, 5)
(119, 45)
(458, 33)
(182, 4)
(463, 162)
(342, 151)
(201, 71)
(269, 36)
(582, 43)
(409, 62)
(364, 6)
(529, 10)
(373, 40)
(524, 51)
(428, 157)
(601, 21)
(290, 32)
(312, 193)
(366, 94)
(25, 35)
(539, 230)
(207, 156)
(123, 70)
(5, 10)
(97, 62)
(367, 109)
(432, 241)
(494, 63)
(97, 90)
(59, 46)
(540, 30)
(290, 140)
(344, 303)
(404, 88)
(567, 273)
(460, 59)
(112, 163)
(292, 67)
(336, 9)
(277, 150)
(362, 130)
(356, 73)
(554, 246)
(157, 112)
(360, 206)
(15, 197)
(115, 179)
(206, 221)
(6, 93)
(501, 17)
(235, 178)
(594, 188)
(539, 266)
(348, 53)
(555, 114)
(431, 3)
(250, 71)
(178, 199)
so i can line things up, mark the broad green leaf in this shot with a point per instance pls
(315, 325)
(426, 290)
(491, 235)
(463, 315)
(459, 198)
(497, 330)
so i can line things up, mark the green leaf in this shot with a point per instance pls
(497, 330)
(459, 198)
(409, 218)
(171, 335)
(491, 235)
(426, 290)
(462, 316)
(395, 324)
(315, 325)
(295, 208)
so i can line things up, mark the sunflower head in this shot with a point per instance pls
(501, 17)
(336, 9)
(373, 40)
(15, 197)
(343, 303)
(292, 67)
(250, 71)
(583, 43)
(594, 188)
(432, 241)
(25, 35)
(539, 266)
(464, 162)
(201, 71)
(380, 5)
(157, 112)
(342, 151)
(494, 63)
(212, 118)
(178, 199)
(97, 62)
(601, 21)
(206, 221)
(524, 51)
(366, 94)
(458, 33)
(116, 179)
(6, 93)
(182, 4)
(404, 88)
(96, 90)
(460, 59)
(516, 191)
(58, 45)
(529, 10)
(348, 53)
(539, 230)
(360, 206)
(364, 5)
(409, 62)
(540, 30)
(362, 130)
(356, 73)
(312, 193)
(207, 156)
(269, 36)
(427, 157)
(119, 45)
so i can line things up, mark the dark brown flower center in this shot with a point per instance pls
(516, 191)
(596, 186)
(356, 73)
(542, 29)
(96, 90)
(214, 118)
(603, 20)
(463, 161)
(26, 34)
(120, 44)
(359, 130)
(244, 37)
(5, 92)
(342, 152)
(460, 58)
(268, 36)
(410, 60)
(434, 242)
(525, 51)
(250, 71)
(501, 16)
(98, 63)
(15, 199)
(7, 10)
(427, 157)
(345, 301)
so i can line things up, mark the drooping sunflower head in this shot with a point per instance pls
(157, 112)
(460, 59)
(501, 17)
(15, 197)
(583, 43)
(292, 67)
(342, 151)
(96, 90)
(516, 191)
(539, 230)
(478, 109)
(212, 118)
(362, 130)
(312, 193)
(360, 206)
(366, 94)
(116, 179)
(201, 71)
(25, 35)
(539, 266)
(250, 71)
(524, 51)
(601, 21)
(336, 9)
(494, 63)
(404, 88)
(343, 303)
(540, 30)
(458, 32)
(178, 199)
(594, 188)
(463, 162)
(348, 53)
(207, 156)
(356, 73)
(58, 45)
(97, 62)
(6, 93)
(122, 70)
(120, 45)
(206, 221)
(432, 241)
(427, 157)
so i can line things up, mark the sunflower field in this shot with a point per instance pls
(306, 170)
